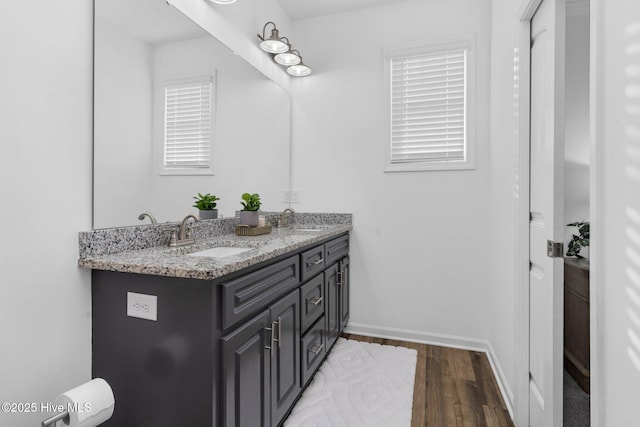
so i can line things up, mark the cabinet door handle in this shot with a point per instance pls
(316, 301)
(279, 332)
(316, 349)
(274, 340)
(270, 347)
(339, 277)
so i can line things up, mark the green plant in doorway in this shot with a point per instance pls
(579, 241)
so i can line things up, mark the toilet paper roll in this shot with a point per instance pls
(89, 404)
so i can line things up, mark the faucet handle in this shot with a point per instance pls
(174, 238)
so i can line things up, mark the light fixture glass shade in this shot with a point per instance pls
(223, 1)
(273, 44)
(299, 70)
(287, 58)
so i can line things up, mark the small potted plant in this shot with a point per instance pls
(250, 205)
(580, 241)
(206, 203)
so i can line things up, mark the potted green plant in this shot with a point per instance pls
(206, 204)
(580, 241)
(250, 205)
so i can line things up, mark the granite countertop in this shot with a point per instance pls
(176, 262)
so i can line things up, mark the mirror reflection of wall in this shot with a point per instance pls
(140, 47)
(577, 149)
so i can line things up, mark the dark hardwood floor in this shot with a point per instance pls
(452, 387)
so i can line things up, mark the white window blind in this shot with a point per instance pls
(428, 105)
(188, 124)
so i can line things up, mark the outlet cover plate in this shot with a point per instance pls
(142, 305)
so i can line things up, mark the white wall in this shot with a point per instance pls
(420, 241)
(503, 186)
(122, 128)
(577, 156)
(615, 212)
(45, 182)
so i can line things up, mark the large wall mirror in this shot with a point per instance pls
(142, 46)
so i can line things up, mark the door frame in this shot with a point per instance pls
(522, 58)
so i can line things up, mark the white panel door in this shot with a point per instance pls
(546, 216)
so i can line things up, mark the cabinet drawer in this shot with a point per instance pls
(336, 249)
(313, 349)
(312, 301)
(312, 261)
(248, 294)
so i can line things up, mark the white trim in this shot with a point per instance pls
(596, 196)
(441, 340)
(521, 329)
(467, 41)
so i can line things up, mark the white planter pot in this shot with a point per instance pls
(249, 218)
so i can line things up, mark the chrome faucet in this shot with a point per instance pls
(285, 217)
(148, 215)
(182, 237)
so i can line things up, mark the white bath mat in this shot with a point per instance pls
(360, 384)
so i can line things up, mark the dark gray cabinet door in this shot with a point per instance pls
(332, 311)
(344, 289)
(285, 360)
(313, 301)
(245, 374)
(313, 349)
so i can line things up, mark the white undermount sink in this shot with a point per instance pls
(220, 252)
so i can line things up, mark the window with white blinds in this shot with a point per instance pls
(429, 105)
(188, 124)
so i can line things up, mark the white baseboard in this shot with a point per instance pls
(443, 341)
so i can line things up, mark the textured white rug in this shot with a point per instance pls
(360, 384)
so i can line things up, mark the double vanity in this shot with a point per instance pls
(241, 323)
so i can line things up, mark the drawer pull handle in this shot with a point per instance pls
(316, 300)
(316, 349)
(320, 261)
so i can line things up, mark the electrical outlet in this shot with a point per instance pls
(142, 306)
(286, 196)
(295, 196)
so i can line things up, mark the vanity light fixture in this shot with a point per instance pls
(299, 69)
(288, 58)
(280, 51)
(273, 44)
(223, 1)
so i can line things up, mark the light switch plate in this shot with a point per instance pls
(142, 305)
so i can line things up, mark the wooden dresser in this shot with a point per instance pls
(576, 320)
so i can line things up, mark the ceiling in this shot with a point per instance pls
(302, 9)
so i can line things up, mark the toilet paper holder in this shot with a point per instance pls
(54, 419)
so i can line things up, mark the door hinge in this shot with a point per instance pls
(555, 249)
